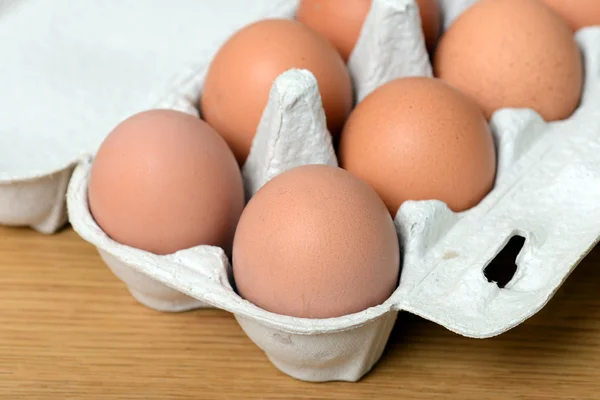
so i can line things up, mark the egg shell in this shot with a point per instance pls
(420, 138)
(163, 181)
(547, 191)
(316, 242)
(513, 53)
(232, 102)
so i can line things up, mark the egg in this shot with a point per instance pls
(578, 13)
(164, 181)
(240, 77)
(513, 53)
(316, 242)
(420, 139)
(341, 21)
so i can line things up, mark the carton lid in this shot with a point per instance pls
(71, 71)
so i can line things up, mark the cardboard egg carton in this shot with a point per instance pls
(546, 191)
(64, 86)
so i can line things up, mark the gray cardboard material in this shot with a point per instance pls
(547, 191)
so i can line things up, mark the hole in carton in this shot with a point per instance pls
(503, 267)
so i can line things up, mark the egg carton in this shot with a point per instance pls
(64, 86)
(546, 191)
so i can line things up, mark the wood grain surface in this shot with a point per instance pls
(69, 329)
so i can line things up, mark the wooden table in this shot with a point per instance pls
(69, 329)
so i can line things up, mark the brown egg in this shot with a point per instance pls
(316, 242)
(578, 13)
(341, 21)
(513, 53)
(240, 77)
(164, 181)
(420, 139)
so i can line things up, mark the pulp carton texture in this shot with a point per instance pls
(547, 188)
